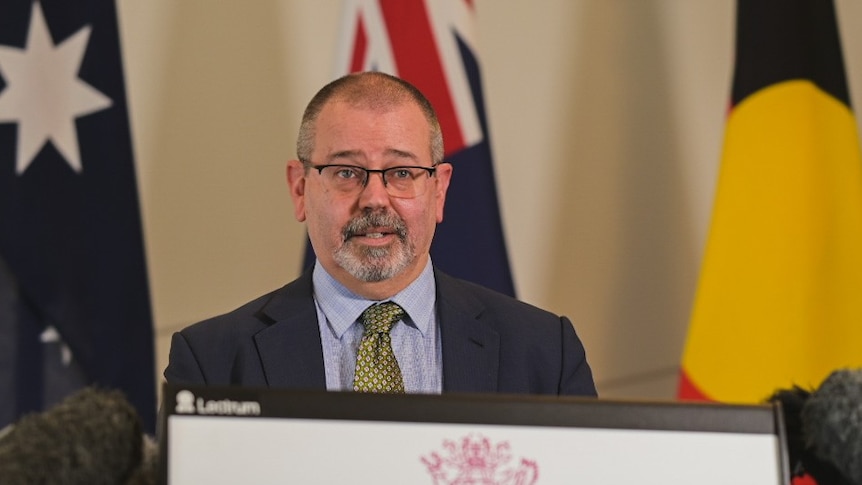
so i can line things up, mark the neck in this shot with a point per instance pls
(378, 290)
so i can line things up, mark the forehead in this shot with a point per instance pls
(402, 107)
(343, 125)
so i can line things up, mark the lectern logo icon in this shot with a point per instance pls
(476, 461)
(185, 402)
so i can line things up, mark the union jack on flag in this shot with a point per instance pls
(432, 45)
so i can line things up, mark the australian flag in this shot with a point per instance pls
(74, 298)
(431, 44)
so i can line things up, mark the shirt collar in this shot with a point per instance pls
(342, 308)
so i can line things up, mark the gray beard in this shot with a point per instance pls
(375, 264)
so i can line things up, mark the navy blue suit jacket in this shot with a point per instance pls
(491, 343)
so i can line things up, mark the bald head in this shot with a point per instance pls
(367, 90)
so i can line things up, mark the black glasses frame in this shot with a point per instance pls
(368, 171)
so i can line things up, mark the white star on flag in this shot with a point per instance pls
(51, 335)
(44, 94)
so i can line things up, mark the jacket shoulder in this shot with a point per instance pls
(467, 295)
(257, 314)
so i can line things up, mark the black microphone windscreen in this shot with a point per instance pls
(832, 420)
(93, 437)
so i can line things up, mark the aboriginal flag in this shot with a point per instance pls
(778, 302)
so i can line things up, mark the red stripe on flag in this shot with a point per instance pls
(418, 61)
(360, 47)
(689, 390)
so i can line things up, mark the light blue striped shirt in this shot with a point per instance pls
(415, 338)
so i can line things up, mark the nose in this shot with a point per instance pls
(374, 192)
(371, 175)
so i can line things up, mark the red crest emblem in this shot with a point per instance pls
(476, 461)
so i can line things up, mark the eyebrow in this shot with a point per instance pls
(353, 155)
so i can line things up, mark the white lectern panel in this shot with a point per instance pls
(227, 436)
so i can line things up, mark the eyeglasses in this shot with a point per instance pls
(401, 182)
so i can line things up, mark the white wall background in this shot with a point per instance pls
(606, 121)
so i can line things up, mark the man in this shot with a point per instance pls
(373, 314)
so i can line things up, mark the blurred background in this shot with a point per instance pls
(606, 124)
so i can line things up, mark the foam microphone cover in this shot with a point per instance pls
(92, 437)
(832, 422)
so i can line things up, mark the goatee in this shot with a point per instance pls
(378, 263)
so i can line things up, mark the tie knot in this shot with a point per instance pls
(379, 318)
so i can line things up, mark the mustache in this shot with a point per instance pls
(362, 223)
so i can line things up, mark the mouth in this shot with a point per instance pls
(375, 228)
(374, 236)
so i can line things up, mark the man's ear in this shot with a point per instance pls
(296, 185)
(442, 176)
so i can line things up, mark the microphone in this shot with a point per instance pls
(832, 424)
(92, 437)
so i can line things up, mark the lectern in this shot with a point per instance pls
(217, 435)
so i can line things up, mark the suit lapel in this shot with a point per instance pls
(290, 348)
(291, 351)
(471, 348)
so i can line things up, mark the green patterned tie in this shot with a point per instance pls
(376, 367)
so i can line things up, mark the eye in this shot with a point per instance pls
(399, 173)
(347, 172)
